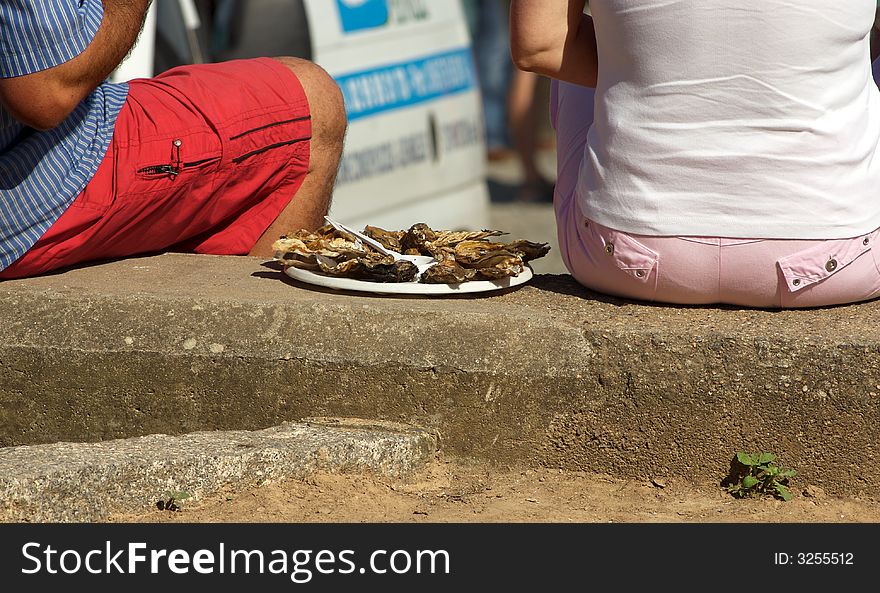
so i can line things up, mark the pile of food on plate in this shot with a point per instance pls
(461, 256)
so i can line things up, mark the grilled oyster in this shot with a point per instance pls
(338, 247)
(374, 268)
(503, 268)
(482, 254)
(446, 272)
(493, 260)
(324, 233)
(461, 255)
(333, 248)
(528, 249)
(286, 243)
(442, 247)
(414, 240)
(389, 239)
(452, 238)
(398, 271)
(293, 252)
(440, 253)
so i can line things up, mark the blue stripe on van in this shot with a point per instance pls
(395, 86)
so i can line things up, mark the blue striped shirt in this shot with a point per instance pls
(41, 172)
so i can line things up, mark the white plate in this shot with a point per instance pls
(408, 287)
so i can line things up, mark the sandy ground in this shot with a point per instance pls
(455, 491)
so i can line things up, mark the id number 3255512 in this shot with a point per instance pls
(814, 558)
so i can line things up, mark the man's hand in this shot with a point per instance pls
(43, 100)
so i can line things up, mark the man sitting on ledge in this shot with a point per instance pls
(215, 158)
(734, 156)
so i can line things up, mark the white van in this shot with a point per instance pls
(415, 146)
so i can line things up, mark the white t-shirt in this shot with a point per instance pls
(734, 118)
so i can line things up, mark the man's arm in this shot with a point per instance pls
(44, 99)
(554, 38)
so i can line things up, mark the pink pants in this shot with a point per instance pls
(697, 270)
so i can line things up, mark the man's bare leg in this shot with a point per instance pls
(312, 201)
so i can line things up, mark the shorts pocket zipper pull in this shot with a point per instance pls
(176, 158)
(160, 170)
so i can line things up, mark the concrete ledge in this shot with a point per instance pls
(87, 482)
(545, 374)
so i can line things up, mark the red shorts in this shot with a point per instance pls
(203, 159)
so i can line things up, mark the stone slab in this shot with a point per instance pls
(548, 373)
(87, 482)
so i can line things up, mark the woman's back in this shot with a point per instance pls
(756, 118)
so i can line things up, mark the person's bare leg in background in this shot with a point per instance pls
(312, 201)
(523, 113)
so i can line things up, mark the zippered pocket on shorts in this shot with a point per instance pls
(175, 165)
(271, 125)
(258, 151)
(173, 170)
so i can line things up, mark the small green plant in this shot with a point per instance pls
(756, 475)
(171, 501)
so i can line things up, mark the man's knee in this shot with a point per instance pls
(326, 104)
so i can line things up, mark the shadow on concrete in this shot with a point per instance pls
(501, 193)
(88, 264)
(506, 193)
(565, 284)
